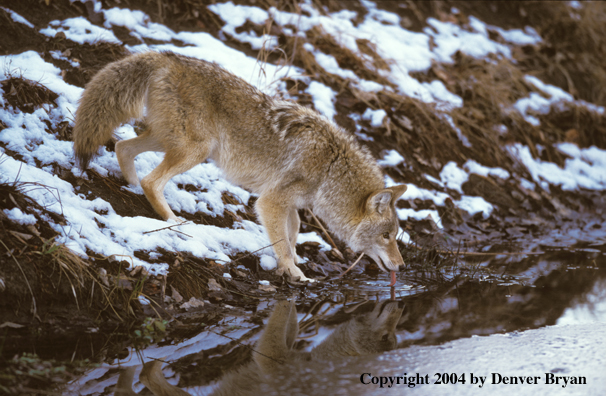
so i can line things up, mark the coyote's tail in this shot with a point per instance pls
(115, 95)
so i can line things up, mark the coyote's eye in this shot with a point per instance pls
(386, 235)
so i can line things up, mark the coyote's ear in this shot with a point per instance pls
(398, 191)
(379, 201)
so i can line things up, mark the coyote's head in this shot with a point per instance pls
(376, 232)
(375, 331)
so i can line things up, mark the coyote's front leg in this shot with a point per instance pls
(278, 338)
(274, 211)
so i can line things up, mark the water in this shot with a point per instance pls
(485, 295)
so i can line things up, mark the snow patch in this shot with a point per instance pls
(16, 215)
(18, 18)
(375, 117)
(586, 168)
(81, 31)
(392, 158)
(323, 99)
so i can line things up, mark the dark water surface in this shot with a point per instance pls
(482, 296)
(231, 349)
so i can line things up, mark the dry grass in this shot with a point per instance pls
(347, 59)
(574, 50)
(25, 95)
(47, 273)
(575, 124)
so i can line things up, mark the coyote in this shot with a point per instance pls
(274, 357)
(289, 155)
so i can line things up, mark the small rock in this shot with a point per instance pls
(103, 276)
(175, 295)
(192, 303)
(213, 285)
(136, 270)
(267, 288)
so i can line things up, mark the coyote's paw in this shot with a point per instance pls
(175, 220)
(294, 273)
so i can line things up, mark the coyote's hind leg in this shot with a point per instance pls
(127, 150)
(175, 162)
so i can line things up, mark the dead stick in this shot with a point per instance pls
(327, 235)
(353, 265)
(251, 253)
(169, 227)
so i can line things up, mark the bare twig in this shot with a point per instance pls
(251, 253)
(353, 265)
(337, 251)
(170, 228)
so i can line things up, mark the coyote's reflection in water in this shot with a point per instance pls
(273, 356)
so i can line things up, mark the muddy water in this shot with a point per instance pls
(482, 296)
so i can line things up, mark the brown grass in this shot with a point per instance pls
(574, 50)
(26, 95)
(346, 58)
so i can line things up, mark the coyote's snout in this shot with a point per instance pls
(288, 154)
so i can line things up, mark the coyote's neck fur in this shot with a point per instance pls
(349, 173)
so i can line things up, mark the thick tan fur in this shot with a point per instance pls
(274, 357)
(288, 154)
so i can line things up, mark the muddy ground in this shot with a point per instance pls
(61, 315)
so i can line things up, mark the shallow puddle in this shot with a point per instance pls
(483, 296)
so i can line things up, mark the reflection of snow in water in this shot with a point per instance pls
(589, 309)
